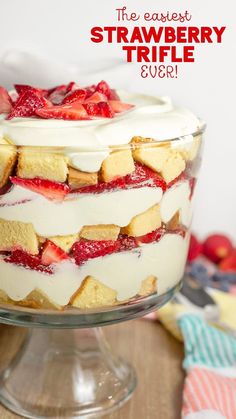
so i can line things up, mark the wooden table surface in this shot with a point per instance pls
(156, 355)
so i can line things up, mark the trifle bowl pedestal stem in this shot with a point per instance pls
(66, 373)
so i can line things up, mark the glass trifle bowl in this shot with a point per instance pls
(95, 213)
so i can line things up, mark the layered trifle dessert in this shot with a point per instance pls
(96, 189)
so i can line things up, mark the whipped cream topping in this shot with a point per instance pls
(118, 207)
(123, 272)
(151, 117)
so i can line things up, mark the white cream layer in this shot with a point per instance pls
(123, 272)
(51, 218)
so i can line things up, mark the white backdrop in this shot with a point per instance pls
(58, 30)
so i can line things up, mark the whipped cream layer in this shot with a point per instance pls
(151, 117)
(123, 272)
(118, 207)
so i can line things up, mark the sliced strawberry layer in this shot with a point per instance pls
(48, 188)
(51, 253)
(5, 101)
(27, 103)
(142, 176)
(154, 236)
(102, 187)
(127, 242)
(73, 111)
(21, 258)
(90, 249)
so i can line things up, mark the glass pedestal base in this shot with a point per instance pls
(66, 373)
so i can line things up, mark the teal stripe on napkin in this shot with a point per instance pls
(205, 345)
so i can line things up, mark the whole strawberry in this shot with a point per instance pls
(217, 247)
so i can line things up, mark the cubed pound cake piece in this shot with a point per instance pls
(144, 223)
(173, 167)
(15, 235)
(100, 232)
(38, 299)
(117, 164)
(4, 297)
(152, 156)
(8, 155)
(64, 242)
(78, 179)
(190, 151)
(93, 293)
(174, 223)
(148, 286)
(36, 163)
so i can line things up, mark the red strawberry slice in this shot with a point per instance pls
(96, 98)
(71, 87)
(74, 111)
(104, 88)
(76, 96)
(102, 109)
(117, 106)
(21, 258)
(142, 174)
(90, 90)
(127, 242)
(101, 187)
(52, 253)
(179, 178)
(90, 249)
(5, 101)
(20, 88)
(114, 95)
(48, 188)
(27, 103)
(57, 94)
(154, 236)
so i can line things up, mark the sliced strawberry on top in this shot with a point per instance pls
(101, 109)
(21, 258)
(74, 111)
(27, 103)
(114, 95)
(51, 253)
(142, 174)
(90, 90)
(76, 96)
(117, 106)
(48, 188)
(20, 88)
(5, 101)
(90, 249)
(71, 87)
(96, 98)
(57, 94)
(104, 88)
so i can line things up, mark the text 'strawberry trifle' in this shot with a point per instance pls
(95, 199)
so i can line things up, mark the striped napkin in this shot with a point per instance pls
(210, 363)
